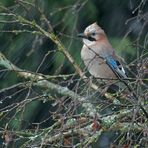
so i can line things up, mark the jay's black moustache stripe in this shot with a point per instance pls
(91, 39)
(82, 35)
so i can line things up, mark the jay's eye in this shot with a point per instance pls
(93, 34)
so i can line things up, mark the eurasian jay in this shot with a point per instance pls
(98, 55)
(100, 58)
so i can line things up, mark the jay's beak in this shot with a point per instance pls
(82, 35)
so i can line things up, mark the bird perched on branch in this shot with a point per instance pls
(100, 58)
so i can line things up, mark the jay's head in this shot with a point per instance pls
(92, 34)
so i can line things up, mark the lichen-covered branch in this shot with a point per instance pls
(41, 82)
